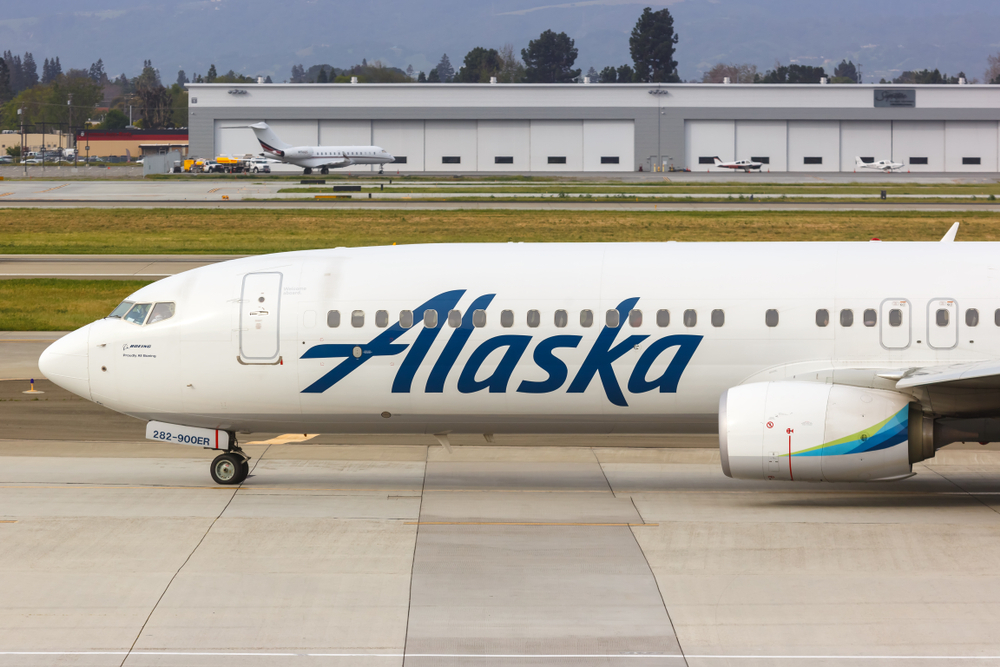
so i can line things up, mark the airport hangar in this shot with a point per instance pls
(613, 127)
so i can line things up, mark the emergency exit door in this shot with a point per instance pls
(260, 304)
(894, 327)
(942, 324)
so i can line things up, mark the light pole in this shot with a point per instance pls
(69, 106)
(20, 114)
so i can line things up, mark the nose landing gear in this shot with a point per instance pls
(231, 467)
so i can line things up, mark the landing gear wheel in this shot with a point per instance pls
(307, 171)
(324, 171)
(229, 468)
(380, 170)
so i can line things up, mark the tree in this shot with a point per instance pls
(592, 75)
(29, 71)
(421, 78)
(652, 47)
(267, 79)
(433, 77)
(992, 74)
(928, 77)
(444, 69)
(179, 106)
(625, 74)
(181, 78)
(409, 72)
(511, 67)
(845, 70)
(154, 98)
(608, 75)
(16, 72)
(792, 74)
(5, 90)
(480, 65)
(212, 74)
(114, 120)
(550, 58)
(321, 77)
(96, 72)
(14, 152)
(298, 74)
(744, 73)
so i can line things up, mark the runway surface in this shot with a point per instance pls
(353, 550)
(120, 267)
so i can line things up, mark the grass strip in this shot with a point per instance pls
(242, 231)
(46, 304)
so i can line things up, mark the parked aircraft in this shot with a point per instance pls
(745, 165)
(883, 165)
(323, 158)
(833, 361)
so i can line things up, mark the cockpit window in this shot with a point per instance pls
(137, 315)
(121, 309)
(161, 311)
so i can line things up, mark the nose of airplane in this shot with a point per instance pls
(65, 362)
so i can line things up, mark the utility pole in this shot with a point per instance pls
(69, 105)
(20, 114)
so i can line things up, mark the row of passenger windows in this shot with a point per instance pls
(635, 318)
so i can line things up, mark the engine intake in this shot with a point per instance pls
(805, 431)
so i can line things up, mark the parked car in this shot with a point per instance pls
(260, 165)
(6, 159)
(33, 160)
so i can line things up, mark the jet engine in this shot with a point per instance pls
(815, 432)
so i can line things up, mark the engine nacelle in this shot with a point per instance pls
(805, 431)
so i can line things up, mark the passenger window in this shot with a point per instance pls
(846, 317)
(690, 318)
(479, 318)
(561, 319)
(971, 317)
(895, 317)
(870, 317)
(381, 318)
(431, 318)
(771, 317)
(996, 317)
(125, 305)
(405, 318)
(635, 318)
(587, 318)
(454, 318)
(534, 318)
(611, 319)
(718, 317)
(137, 315)
(507, 318)
(822, 317)
(164, 311)
(941, 317)
(333, 319)
(663, 318)
(358, 319)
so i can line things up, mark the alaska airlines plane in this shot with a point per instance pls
(813, 361)
(323, 158)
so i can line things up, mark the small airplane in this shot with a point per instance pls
(745, 165)
(323, 158)
(883, 165)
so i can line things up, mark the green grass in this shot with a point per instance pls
(243, 231)
(44, 304)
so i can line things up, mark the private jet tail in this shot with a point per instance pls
(717, 160)
(859, 163)
(269, 141)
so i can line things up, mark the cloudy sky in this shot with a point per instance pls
(269, 36)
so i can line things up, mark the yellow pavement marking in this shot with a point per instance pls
(285, 439)
(55, 188)
(214, 190)
(6, 194)
(7, 521)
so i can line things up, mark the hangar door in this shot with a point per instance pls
(706, 139)
(608, 145)
(233, 137)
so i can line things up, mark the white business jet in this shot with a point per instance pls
(323, 158)
(882, 165)
(813, 361)
(745, 165)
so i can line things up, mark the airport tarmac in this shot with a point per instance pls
(558, 550)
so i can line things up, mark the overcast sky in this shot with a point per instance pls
(269, 36)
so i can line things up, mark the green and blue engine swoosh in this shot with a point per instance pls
(883, 435)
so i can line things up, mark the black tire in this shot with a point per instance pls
(324, 171)
(307, 171)
(244, 470)
(228, 469)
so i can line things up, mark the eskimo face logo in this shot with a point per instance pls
(596, 364)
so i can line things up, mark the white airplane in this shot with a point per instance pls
(815, 361)
(883, 165)
(323, 158)
(745, 165)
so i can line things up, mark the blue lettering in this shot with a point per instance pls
(497, 382)
(667, 382)
(549, 363)
(435, 383)
(602, 355)
(442, 303)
